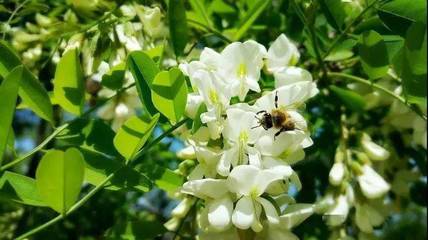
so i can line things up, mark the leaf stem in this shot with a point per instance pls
(82, 201)
(209, 29)
(380, 88)
(345, 32)
(71, 210)
(58, 131)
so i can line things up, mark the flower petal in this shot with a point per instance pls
(220, 212)
(270, 210)
(243, 216)
(205, 188)
(291, 75)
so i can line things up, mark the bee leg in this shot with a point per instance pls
(279, 132)
(256, 126)
(260, 112)
(276, 99)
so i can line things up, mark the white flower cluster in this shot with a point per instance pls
(244, 179)
(359, 185)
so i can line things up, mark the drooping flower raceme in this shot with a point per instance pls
(244, 171)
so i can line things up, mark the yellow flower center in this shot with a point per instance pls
(242, 70)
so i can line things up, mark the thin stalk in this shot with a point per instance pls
(13, 15)
(209, 29)
(82, 201)
(348, 29)
(71, 210)
(58, 131)
(380, 88)
(313, 36)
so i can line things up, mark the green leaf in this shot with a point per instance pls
(250, 18)
(19, 188)
(59, 178)
(220, 7)
(178, 26)
(9, 93)
(156, 54)
(398, 15)
(132, 136)
(393, 43)
(94, 135)
(374, 55)
(31, 91)
(8, 59)
(199, 7)
(414, 64)
(144, 70)
(197, 123)
(169, 94)
(334, 11)
(351, 99)
(69, 90)
(115, 78)
(343, 51)
(99, 166)
(169, 181)
(147, 227)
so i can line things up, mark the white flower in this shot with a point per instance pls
(207, 167)
(338, 214)
(217, 199)
(373, 150)
(367, 217)
(103, 68)
(152, 20)
(239, 134)
(371, 183)
(183, 208)
(337, 173)
(125, 33)
(208, 61)
(291, 75)
(281, 54)
(216, 99)
(187, 153)
(249, 183)
(241, 65)
(290, 97)
(194, 101)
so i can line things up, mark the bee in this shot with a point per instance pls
(277, 118)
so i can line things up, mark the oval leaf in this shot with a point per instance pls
(178, 25)
(9, 93)
(20, 189)
(31, 91)
(351, 99)
(169, 94)
(132, 136)
(59, 177)
(374, 55)
(68, 83)
(144, 70)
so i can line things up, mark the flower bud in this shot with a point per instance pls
(371, 183)
(187, 153)
(338, 214)
(194, 101)
(337, 173)
(183, 208)
(373, 150)
(172, 224)
(185, 166)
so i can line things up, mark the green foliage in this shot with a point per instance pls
(9, 92)
(59, 178)
(69, 89)
(21, 189)
(169, 94)
(248, 20)
(30, 90)
(115, 78)
(178, 26)
(143, 76)
(132, 136)
(352, 100)
(374, 55)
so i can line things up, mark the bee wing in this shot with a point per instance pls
(298, 120)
